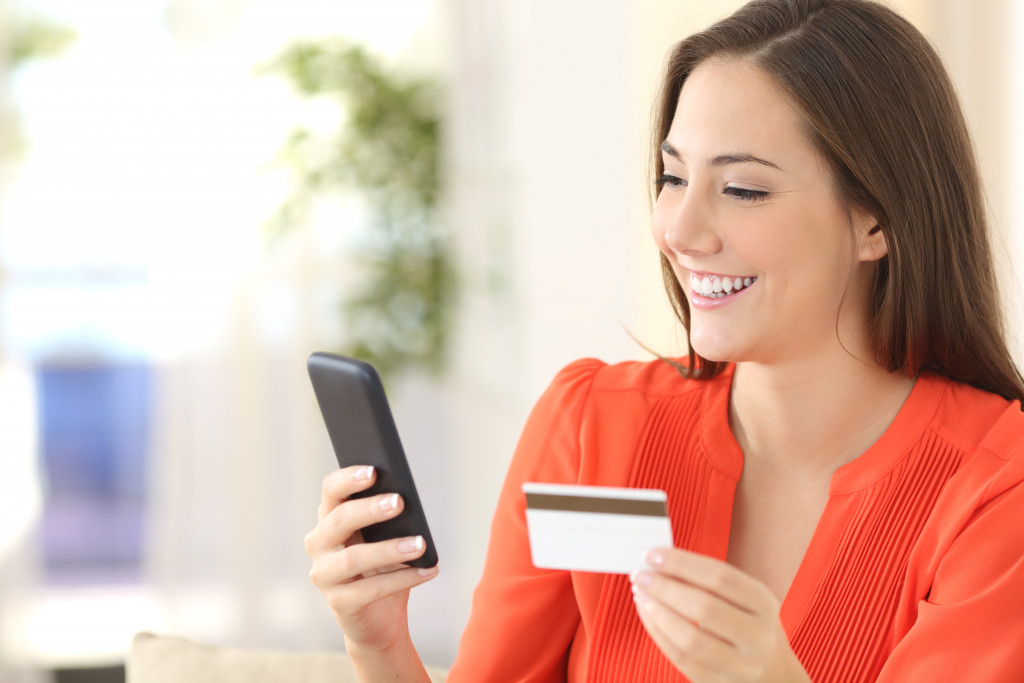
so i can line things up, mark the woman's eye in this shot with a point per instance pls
(668, 179)
(745, 194)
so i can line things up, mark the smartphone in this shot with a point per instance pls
(362, 431)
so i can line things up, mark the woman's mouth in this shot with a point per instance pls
(714, 286)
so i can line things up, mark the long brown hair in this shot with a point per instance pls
(881, 110)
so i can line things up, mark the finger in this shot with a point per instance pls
(686, 644)
(340, 525)
(348, 598)
(339, 485)
(364, 560)
(708, 611)
(714, 576)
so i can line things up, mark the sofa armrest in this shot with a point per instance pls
(167, 659)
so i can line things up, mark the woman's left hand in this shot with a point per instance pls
(714, 622)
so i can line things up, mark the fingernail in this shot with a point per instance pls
(642, 579)
(365, 474)
(389, 503)
(428, 571)
(410, 545)
(655, 558)
(640, 598)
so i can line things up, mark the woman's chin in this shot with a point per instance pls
(716, 358)
(714, 349)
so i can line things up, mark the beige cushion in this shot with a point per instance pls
(166, 659)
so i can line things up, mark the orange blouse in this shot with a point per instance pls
(914, 573)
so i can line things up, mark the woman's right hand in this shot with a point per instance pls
(366, 585)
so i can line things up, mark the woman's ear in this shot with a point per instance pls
(871, 244)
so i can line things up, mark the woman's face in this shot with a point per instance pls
(748, 218)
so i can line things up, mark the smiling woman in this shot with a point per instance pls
(743, 197)
(869, 126)
(843, 441)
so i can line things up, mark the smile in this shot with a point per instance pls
(714, 286)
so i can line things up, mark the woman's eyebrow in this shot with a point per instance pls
(722, 159)
(670, 150)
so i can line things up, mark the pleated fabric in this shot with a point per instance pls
(847, 626)
(888, 584)
(622, 645)
(843, 634)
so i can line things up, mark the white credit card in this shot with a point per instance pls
(594, 528)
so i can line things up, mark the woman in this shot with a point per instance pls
(842, 449)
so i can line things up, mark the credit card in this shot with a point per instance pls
(594, 528)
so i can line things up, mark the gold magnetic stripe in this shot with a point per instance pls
(614, 506)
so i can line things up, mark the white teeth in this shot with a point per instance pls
(716, 286)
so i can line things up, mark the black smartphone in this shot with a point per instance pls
(363, 432)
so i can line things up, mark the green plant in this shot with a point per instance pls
(32, 38)
(25, 39)
(387, 148)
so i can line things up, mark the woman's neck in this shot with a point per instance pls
(813, 415)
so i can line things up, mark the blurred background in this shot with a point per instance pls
(196, 194)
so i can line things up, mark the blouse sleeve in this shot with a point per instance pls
(970, 627)
(523, 619)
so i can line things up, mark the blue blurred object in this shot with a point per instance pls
(94, 437)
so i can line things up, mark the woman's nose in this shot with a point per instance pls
(685, 223)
